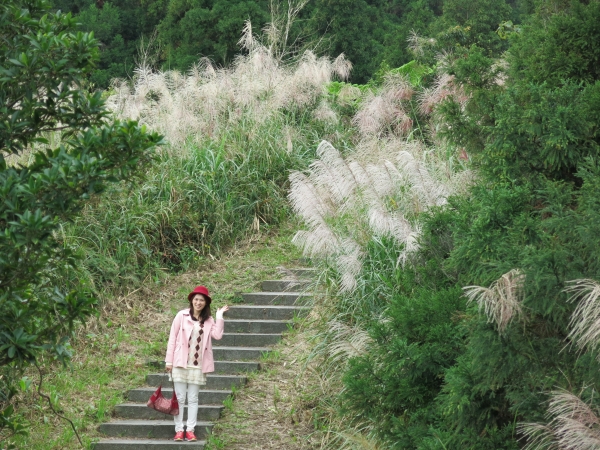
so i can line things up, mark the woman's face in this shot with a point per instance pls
(199, 302)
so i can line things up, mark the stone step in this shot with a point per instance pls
(149, 429)
(285, 285)
(239, 353)
(221, 367)
(205, 397)
(265, 312)
(218, 381)
(300, 272)
(232, 367)
(248, 340)
(141, 411)
(253, 326)
(276, 298)
(147, 444)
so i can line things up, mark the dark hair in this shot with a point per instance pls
(205, 313)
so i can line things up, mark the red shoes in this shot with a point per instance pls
(190, 436)
(178, 436)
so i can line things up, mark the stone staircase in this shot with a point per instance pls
(251, 329)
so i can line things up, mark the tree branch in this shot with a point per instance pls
(41, 394)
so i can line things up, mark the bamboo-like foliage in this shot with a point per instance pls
(573, 425)
(502, 301)
(585, 332)
(209, 99)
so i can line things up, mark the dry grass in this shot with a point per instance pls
(274, 410)
(293, 403)
(573, 424)
(209, 100)
(585, 332)
(502, 301)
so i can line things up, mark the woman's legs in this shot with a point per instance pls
(180, 390)
(192, 398)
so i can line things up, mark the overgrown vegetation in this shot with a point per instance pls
(43, 64)
(464, 308)
(451, 202)
(370, 33)
(110, 355)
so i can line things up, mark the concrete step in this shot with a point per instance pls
(300, 272)
(147, 444)
(265, 312)
(232, 367)
(285, 285)
(253, 326)
(276, 298)
(149, 429)
(221, 367)
(218, 381)
(239, 353)
(248, 340)
(205, 397)
(141, 411)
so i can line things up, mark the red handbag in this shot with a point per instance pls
(163, 405)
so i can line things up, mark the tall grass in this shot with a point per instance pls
(233, 134)
(362, 209)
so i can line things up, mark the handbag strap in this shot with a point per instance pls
(172, 382)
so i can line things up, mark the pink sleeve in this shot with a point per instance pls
(217, 330)
(175, 326)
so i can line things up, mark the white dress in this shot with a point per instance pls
(193, 373)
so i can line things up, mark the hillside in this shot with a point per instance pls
(449, 203)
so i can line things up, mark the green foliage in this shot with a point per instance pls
(479, 20)
(557, 49)
(542, 123)
(210, 28)
(438, 374)
(192, 206)
(44, 61)
(396, 382)
(536, 145)
(116, 55)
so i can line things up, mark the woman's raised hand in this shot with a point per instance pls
(224, 309)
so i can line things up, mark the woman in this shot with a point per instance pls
(189, 354)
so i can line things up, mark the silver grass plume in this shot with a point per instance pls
(384, 113)
(443, 87)
(585, 320)
(205, 101)
(346, 342)
(501, 302)
(248, 41)
(572, 425)
(373, 192)
(417, 44)
(431, 192)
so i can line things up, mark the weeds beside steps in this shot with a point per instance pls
(251, 329)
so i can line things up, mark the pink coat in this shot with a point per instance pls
(181, 329)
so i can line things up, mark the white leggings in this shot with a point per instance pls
(192, 403)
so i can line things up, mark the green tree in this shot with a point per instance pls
(43, 65)
(206, 28)
(116, 55)
(356, 28)
(535, 141)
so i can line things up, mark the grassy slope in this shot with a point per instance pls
(110, 354)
